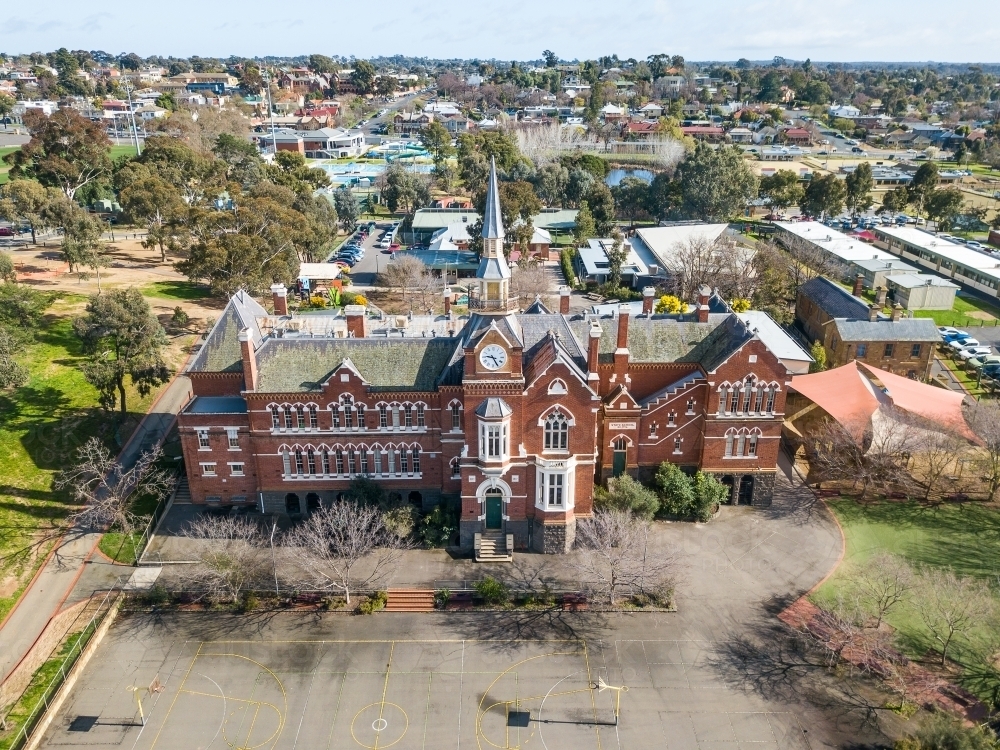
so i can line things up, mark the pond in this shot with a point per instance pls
(617, 175)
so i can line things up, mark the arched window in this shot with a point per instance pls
(771, 393)
(300, 413)
(360, 408)
(335, 409)
(340, 461)
(556, 432)
(299, 466)
(348, 404)
(311, 455)
(383, 416)
(313, 418)
(275, 417)
(724, 398)
(288, 416)
(415, 455)
(420, 416)
(456, 469)
(557, 387)
(456, 416)
(326, 460)
(286, 461)
(742, 443)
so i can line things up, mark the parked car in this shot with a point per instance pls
(977, 363)
(955, 334)
(6, 231)
(975, 351)
(960, 344)
(976, 245)
(947, 330)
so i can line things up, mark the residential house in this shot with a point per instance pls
(708, 133)
(411, 122)
(741, 135)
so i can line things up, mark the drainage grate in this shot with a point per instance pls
(518, 719)
(83, 723)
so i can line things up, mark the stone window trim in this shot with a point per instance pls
(742, 443)
(295, 417)
(349, 460)
(749, 398)
(402, 416)
(455, 408)
(556, 431)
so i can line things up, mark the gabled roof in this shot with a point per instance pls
(221, 351)
(492, 221)
(833, 300)
(295, 364)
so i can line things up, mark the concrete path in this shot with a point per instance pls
(55, 582)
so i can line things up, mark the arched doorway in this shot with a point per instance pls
(746, 490)
(292, 505)
(415, 498)
(312, 502)
(494, 509)
(394, 499)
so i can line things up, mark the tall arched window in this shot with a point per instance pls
(556, 432)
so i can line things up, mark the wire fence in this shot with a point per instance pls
(29, 723)
(140, 545)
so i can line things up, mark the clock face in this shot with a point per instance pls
(493, 357)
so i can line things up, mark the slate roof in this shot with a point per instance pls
(285, 365)
(904, 329)
(833, 300)
(221, 351)
(653, 339)
(494, 408)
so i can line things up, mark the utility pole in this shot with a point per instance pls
(270, 109)
(131, 114)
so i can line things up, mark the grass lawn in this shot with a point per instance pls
(968, 312)
(966, 378)
(4, 167)
(42, 423)
(182, 291)
(118, 546)
(964, 537)
(118, 151)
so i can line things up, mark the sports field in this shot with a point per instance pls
(428, 690)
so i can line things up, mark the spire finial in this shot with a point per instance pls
(492, 220)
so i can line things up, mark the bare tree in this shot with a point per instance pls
(346, 547)
(530, 281)
(404, 273)
(615, 558)
(881, 583)
(108, 491)
(866, 456)
(231, 555)
(935, 453)
(951, 606)
(720, 263)
(984, 419)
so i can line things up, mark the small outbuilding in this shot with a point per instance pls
(918, 291)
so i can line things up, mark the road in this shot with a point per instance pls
(375, 260)
(55, 581)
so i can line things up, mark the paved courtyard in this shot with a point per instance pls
(719, 673)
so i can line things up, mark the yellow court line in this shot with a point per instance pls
(593, 700)
(177, 695)
(234, 700)
(336, 714)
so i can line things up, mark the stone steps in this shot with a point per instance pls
(409, 600)
(493, 548)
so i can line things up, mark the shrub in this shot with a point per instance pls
(179, 318)
(740, 304)
(676, 491)
(157, 596)
(371, 604)
(437, 526)
(625, 493)
(709, 493)
(401, 520)
(441, 598)
(669, 304)
(566, 261)
(941, 732)
(317, 300)
(333, 602)
(250, 603)
(492, 591)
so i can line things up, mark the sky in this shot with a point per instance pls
(844, 31)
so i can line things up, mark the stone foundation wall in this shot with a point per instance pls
(552, 538)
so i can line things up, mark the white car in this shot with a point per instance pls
(976, 245)
(945, 330)
(960, 344)
(975, 351)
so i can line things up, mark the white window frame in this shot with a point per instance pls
(234, 472)
(208, 469)
(233, 438)
(203, 440)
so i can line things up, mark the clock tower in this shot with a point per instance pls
(492, 292)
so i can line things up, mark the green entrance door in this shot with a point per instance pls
(619, 465)
(494, 512)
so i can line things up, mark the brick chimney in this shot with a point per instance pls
(593, 350)
(621, 349)
(873, 311)
(880, 293)
(648, 296)
(249, 360)
(859, 284)
(279, 296)
(704, 294)
(355, 315)
(564, 292)
(897, 312)
(447, 301)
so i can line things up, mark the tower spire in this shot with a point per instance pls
(492, 220)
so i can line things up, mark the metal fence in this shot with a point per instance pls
(147, 534)
(37, 711)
